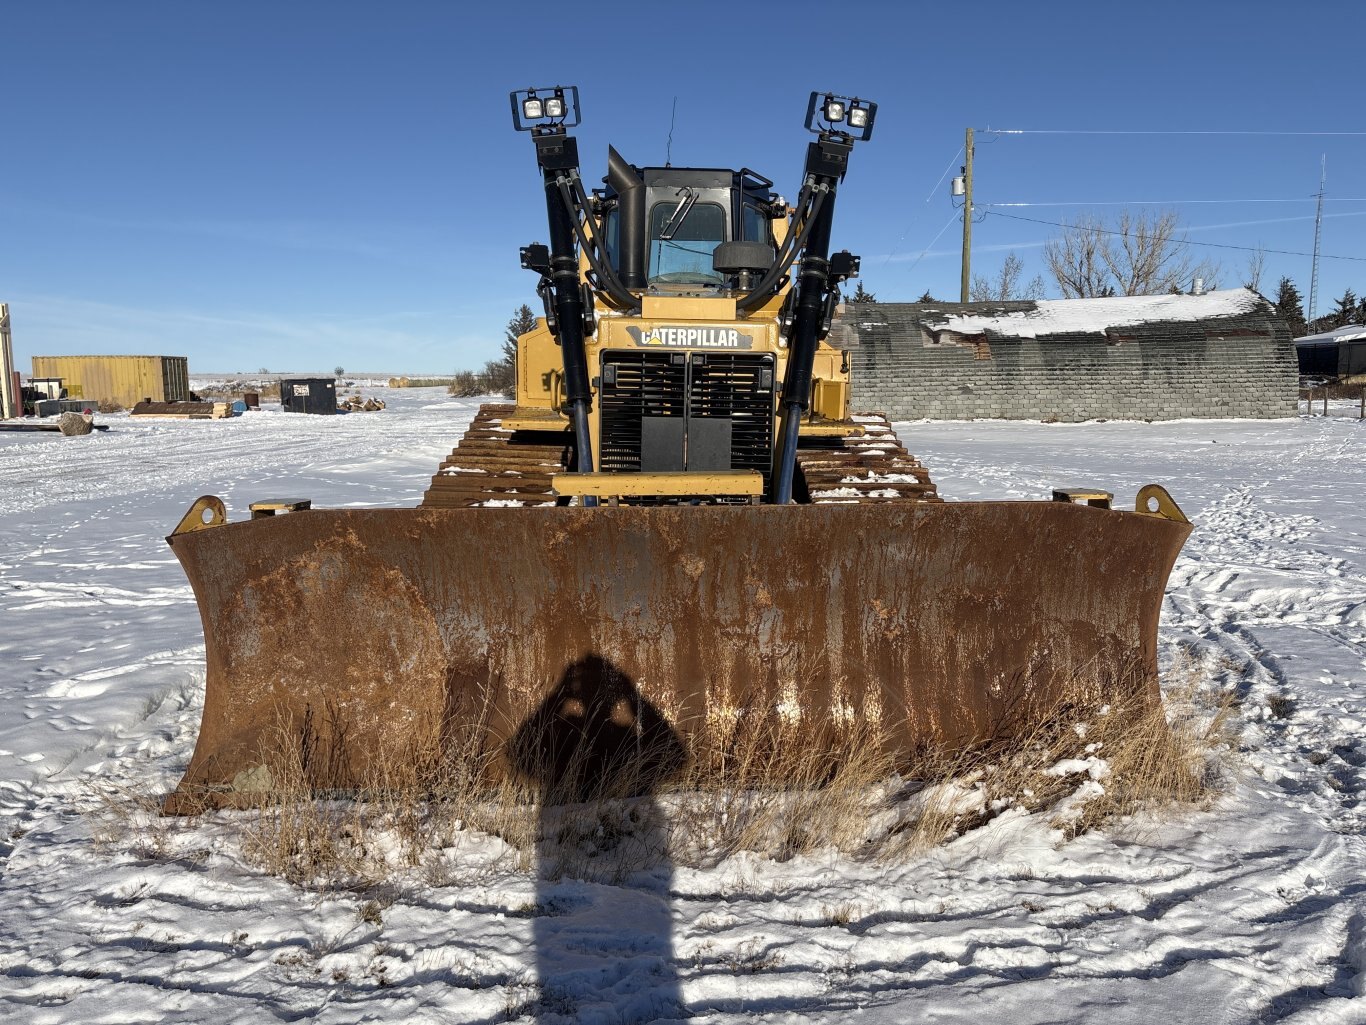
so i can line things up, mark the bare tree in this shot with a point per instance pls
(1148, 255)
(1256, 267)
(1006, 285)
(1076, 259)
(1143, 254)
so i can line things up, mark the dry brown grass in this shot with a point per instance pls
(127, 819)
(230, 390)
(766, 784)
(1332, 390)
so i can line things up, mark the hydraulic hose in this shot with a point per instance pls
(761, 292)
(564, 282)
(611, 283)
(813, 284)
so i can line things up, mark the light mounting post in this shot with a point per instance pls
(548, 114)
(838, 122)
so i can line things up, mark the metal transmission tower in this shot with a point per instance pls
(1318, 230)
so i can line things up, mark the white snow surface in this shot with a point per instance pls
(1248, 912)
(1094, 316)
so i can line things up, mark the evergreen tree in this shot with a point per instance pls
(498, 378)
(927, 298)
(862, 295)
(1291, 308)
(522, 321)
(1321, 324)
(1346, 310)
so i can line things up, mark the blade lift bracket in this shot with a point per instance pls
(207, 511)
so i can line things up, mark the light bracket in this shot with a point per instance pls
(855, 116)
(565, 97)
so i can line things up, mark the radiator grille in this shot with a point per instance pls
(692, 386)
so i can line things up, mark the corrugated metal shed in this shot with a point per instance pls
(126, 380)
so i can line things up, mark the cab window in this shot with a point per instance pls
(685, 257)
(758, 227)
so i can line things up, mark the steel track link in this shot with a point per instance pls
(493, 465)
(867, 469)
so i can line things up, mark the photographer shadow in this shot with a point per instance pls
(596, 752)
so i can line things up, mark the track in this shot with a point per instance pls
(871, 468)
(495, 466)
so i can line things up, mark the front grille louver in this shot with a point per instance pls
(637, 384)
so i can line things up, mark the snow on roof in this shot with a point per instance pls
(1094, 316)
(1346, 333)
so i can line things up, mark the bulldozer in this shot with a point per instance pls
(680, 518)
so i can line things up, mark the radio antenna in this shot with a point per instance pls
(669, 145)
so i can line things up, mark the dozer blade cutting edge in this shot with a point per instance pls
(376, 637)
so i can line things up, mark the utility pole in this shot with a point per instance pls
(967, 218)
(1318, 228)
(10, 406)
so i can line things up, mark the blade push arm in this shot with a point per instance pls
(819, 276)
(557, 155)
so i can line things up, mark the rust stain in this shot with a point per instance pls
(375, 636)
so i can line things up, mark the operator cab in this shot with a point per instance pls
(662, 225)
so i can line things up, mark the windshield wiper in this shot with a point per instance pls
(680, 213)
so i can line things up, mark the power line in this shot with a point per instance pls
(945, 174)
(907, 229)
(1166, 202)
(952, 217)
(1154, 131)
(1184, 242)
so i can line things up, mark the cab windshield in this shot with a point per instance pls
(684, 258)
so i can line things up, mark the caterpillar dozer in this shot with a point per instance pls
(679, 514)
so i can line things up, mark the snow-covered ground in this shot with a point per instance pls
(1251, 911)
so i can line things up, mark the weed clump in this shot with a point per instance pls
(748, 782)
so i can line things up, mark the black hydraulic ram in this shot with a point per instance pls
(546, 116)
(819, 276)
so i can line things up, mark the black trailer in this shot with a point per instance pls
(308, 395)
(1338, 354)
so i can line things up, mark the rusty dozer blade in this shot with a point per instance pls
(367, 637)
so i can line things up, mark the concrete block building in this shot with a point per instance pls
(1221, 354)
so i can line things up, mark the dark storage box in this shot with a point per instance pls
(308, 395)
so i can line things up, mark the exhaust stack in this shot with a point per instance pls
(630, 189)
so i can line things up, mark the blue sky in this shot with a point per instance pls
(304, 185)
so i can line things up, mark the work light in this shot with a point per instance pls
(826, 111)
(550, 109)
